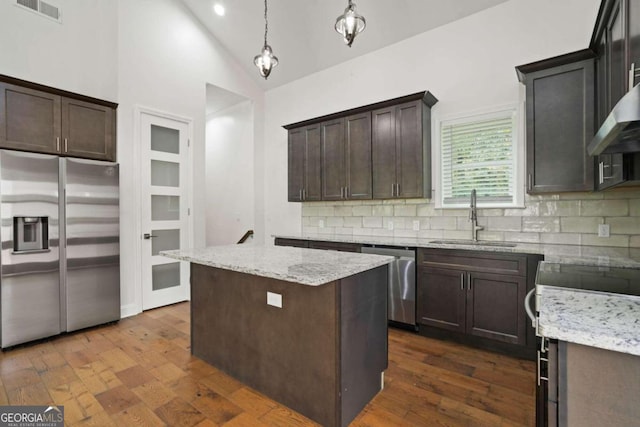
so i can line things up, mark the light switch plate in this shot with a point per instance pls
(390, 225)
(321, 223)
(274, 299)
(416, 225)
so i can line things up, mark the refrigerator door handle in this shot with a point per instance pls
(148, 236)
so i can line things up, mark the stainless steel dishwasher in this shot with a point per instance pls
(401, 303)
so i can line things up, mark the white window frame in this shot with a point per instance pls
(518, 154)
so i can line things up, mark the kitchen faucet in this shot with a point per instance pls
(473, 217)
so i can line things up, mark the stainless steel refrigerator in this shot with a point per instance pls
(60, 262)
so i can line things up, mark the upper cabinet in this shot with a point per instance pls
(379, 151)
(559, 122)
(304, 164)
(44, 120)
(401, 151)
(346, 157)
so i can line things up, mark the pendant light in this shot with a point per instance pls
(350, 24)
(266, 60)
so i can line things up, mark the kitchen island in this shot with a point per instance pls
(305, 327)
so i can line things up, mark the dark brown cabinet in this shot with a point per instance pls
(401, 150)
(346, 158)
(319, 244)
(616, 41)
(476, 294)
(560, 103)
(47, 122)
(304, 164)
(378, 151)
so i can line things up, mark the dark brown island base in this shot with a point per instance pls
(306, 327)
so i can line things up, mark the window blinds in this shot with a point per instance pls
(478, 153)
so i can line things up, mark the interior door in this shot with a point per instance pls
(165, 209)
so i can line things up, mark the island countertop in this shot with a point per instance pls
(312, 267)
(607, 321)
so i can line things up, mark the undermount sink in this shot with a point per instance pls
(473, 243)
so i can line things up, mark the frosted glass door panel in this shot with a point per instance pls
(165, 139)
(165, 276)
(165, 208)
(165, 240)
(165, 174)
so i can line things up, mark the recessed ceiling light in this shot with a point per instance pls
(218, 9)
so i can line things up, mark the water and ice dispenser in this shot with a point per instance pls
(30, 233)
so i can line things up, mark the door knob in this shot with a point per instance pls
(148, 236)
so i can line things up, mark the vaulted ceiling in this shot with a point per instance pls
(301, 32)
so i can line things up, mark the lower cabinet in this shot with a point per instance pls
(477, 296)
(319, 244)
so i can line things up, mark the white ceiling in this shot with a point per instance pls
(301, 31)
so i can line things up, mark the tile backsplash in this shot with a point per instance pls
(568, 218)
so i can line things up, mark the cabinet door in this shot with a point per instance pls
(383, 152)
(634, 37)
(441, 298)
(358, 139)
(313, 164)
(88, 130)
(495, 307)
(29, 119)
(610, 170)
(334, 175)
(615, 31)
(560, 124)
(409, 150)
(296, 151)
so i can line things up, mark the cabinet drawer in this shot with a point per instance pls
(335, 246)
(291, 242)
(486, 262)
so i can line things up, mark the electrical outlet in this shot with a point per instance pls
(390, 225)
(603, 230)
(321, 223)
(416, 225)
(274, 299)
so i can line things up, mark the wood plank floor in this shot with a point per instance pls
(139, 372)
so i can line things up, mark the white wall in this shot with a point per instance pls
(229, 175)
(150, 53)
(468, 65)
(77, 55)
(166, 58)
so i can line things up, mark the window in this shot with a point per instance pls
(479, 152)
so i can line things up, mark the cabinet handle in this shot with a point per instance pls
(462, 281)
(65, 145)
(346, 192)
(632, 76)
(398, 190)
(601, 172)
(530, 182)
(468, 281)
(300, 194)
(393, 188)
(57, 143)
(304, 194)
(539, 368)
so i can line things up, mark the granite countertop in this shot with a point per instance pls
(596, 319)
(311, 267)
(567, 254)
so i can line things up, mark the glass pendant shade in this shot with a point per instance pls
(350, 24)
(265, 61)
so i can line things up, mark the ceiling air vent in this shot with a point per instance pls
(41, 8)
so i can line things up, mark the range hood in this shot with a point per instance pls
(620, 132)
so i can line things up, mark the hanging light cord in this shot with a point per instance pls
(266, 23)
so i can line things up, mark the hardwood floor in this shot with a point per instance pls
(139, 372)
